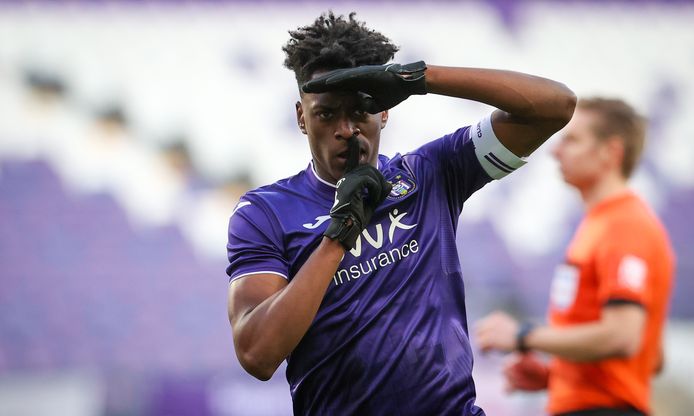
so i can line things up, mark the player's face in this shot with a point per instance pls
(583, 158)
(329, 119)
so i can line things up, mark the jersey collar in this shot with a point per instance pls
(317, 182)
(318, 178)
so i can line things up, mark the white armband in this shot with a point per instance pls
(496, 159)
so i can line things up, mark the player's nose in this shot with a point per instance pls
(345, 128)
(555, 150)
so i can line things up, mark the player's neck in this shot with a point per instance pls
(606, 187)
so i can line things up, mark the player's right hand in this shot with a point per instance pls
(384, 86)
(526, 372)
(359, 192)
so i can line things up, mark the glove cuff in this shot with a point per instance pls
(345, 229)
(413, 74)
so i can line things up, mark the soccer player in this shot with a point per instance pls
(609, 300)
(349, 269)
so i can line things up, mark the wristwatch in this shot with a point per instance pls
(522, 334)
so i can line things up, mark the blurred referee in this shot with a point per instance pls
(610, 298)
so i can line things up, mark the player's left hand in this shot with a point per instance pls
(497, 331)
(384, 86)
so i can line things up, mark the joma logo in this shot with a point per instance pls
(319, 220)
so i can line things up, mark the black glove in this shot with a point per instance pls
(357, 196)
(385, 86)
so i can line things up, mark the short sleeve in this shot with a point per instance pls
(255, 243)
(623, 272)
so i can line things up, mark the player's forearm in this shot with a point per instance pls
(585, 342)
(531, 108)
(516, 93)
(266, 335)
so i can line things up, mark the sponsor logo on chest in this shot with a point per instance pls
(374, 237)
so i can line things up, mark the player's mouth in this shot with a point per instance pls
(363, 156)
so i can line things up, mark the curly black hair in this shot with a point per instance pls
(333, 42)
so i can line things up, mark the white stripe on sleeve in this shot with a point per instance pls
(235, 278)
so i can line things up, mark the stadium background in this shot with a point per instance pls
(128, 130)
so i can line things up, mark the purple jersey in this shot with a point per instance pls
(391, 335)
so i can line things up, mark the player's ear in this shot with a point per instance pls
(615, 147)
(384, 119)
(300, 117)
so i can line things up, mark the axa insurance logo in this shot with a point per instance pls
(402, 186)
(376, 241)
(375, 237)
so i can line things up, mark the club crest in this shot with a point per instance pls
(401, 187)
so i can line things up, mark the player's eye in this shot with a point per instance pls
(324, 115)
(360, 114)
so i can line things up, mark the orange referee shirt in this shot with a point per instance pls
(620, 253)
